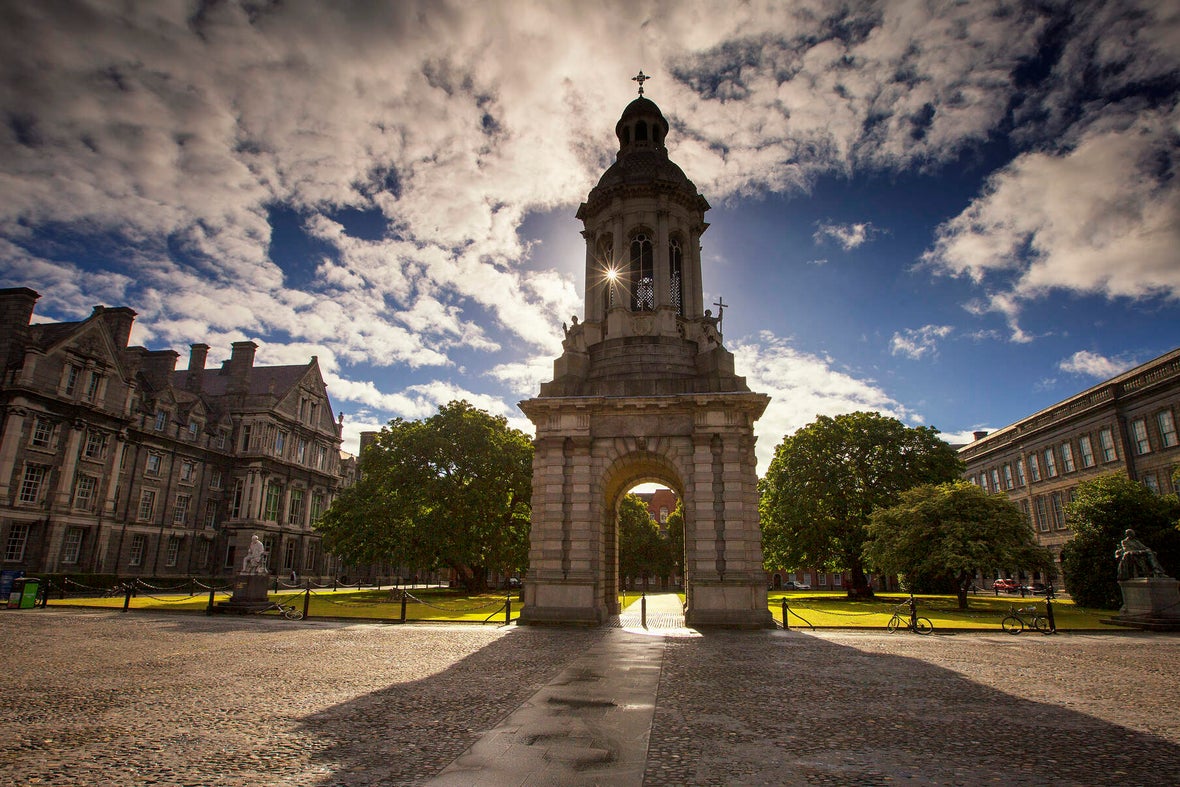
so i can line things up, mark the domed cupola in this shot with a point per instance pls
(641, 128)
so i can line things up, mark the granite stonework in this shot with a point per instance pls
(644, 391)
(1150, 603)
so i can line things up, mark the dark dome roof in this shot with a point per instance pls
(643, 106)
(644, 166)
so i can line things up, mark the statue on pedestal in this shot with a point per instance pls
(1136, 559)
(255, 560)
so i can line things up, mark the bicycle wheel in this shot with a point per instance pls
(923, 626)
(1012, 624)
(894, 622)
(290, 613)
(1041, 624)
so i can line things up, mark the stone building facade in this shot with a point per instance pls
(1127, 424)
(112, 461)
(644, 391)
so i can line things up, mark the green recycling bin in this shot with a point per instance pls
(24, 593)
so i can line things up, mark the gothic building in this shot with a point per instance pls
(1124, 425)
(114, 462)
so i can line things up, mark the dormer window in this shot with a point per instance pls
(93, 387)
(161, 420)
(70, 377)
(194, 430)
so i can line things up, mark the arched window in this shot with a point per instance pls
(626, 135)
(606, 263)
(676, 276)
(641, 131)
(642, 274)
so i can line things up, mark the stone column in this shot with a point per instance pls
(14, 421)
(65, 481)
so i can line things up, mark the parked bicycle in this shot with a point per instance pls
(905, 615)
(1020, 618)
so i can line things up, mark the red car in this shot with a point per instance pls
(1006, 585)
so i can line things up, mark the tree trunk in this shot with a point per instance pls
(859, 588)
(963, 582)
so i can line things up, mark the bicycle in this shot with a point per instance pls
(288, 611)
(909, 620)
(1014, 622)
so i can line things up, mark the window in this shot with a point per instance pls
(84, 492)
(1167, 429)
(235, 501)
(161, 420)
(1020, 472)
(202, 553)
(1058, 512)
(18, 536)
(1139, 435)
(295, 508)
(247, 434)
(641, 274)
(215, 479)
(93, 387)
(321, 456)
(153, 465)
(1024, 510)
(211, 513)
(138, 547)
(663, 515)
(1034, 469)
(289, 555)
(1151, 482)
(96, 444)
(317, 506)
(229, 555)
(221, 438)
(194, 430)
(269, 543)
(995, 479)
(30, 485)
(1086, 450)
(147, 504)
(1050, 463)
(188, 471)
(180, 511)
(1067, 458)
(70, 379)
(1106, 442)
(71, 548)
(42, 436)
(1042, 515)
(676, 276)
(273, 493)
(280, 443)
(173, 551)
(983, 481)
(1008, 477)
(301, 450)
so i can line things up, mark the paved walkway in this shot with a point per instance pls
(122, 700)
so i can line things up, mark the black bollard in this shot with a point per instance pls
(127, 596)
(786, 625)
(404, 594)
(209, 609)
(306, 598)
(1049, 613)
(508, 609)
(643, 610)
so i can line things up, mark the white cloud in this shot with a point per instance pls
(914, 343)
(849, 236)
(1091, 364)
(801, 387)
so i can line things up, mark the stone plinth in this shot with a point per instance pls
(1150, 602)
(249, 594)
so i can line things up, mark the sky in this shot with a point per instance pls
(954, 213)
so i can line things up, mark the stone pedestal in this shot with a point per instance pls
(249, 594)
(1150, 603)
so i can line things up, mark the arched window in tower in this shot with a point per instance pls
(605, 258)
(675, 276)
(641, 131)
(642, 274)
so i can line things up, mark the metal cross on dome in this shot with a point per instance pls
(640, 78)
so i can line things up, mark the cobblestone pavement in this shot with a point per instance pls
(106, 698)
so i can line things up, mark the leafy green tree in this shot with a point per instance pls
(827, 479)
(451, 490)
(949, 532)
(674, 534)
(642, 553)
(1102, 509)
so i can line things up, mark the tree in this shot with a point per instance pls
(949, 532)
(1102, 509)
(827, 479)
(641, 550)
(451, 490)
(674, 529)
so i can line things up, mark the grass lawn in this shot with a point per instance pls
(832, 609)
(424, 604)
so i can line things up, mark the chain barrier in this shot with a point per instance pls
(497, 602)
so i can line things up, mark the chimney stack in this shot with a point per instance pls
(198, 353)
(241, 361)
(979, 435)
(16, 312)
(118, 320)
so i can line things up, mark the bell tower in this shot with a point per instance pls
(644, 390)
